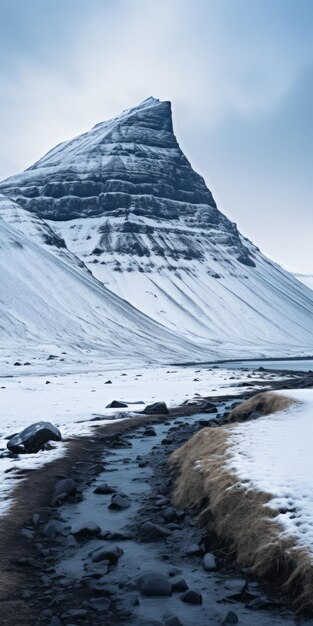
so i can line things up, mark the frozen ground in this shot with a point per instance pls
(63, 393)
(274, 454)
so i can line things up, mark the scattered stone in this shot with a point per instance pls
(154, 584)
(209, 562)
(179, 585)
(192, 597)
(104, 489)
(54, 528)
(116, 404)
(261, 603)
(108, 535)
(231, 618)
(119, 502)
(157, 408)
(33, 438)
(174, 571)
(27, 534)
(63, 489)
(86, 529)
(194, 550)
(169, 514)
(111, 554)
(149, 432)
(149, 531)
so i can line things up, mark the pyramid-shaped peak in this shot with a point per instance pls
(149, 111)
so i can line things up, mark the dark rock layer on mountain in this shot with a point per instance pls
(131, 169)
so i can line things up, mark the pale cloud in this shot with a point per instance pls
(178, 50)
(236, 72)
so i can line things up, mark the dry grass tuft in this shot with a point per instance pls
(265, 403)
(241, 515)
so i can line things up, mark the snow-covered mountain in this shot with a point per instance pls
(127, 203)
(52, 300)
(306, 279)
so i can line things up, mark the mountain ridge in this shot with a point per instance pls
(127, 203)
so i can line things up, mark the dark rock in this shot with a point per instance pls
(64, 488)
(154, 584)
(208, 405)
(111, 554)
(28, 534)
(108, 535)
(169, 514)
(231, 618)
(86, 530)
(108, 382)
(32, 439)
(204, 423)
(166, 441)
(104, 489)
(149, 432)
(116, 404)
(174, 571)
(192, 597)
(194, 550)
(179, 585)
(209, 562)
(261, 603)
(119, 502)
(149, 531)
(17, 364)
(157, 408)
(54, 527)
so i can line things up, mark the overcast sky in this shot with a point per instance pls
(239, 74)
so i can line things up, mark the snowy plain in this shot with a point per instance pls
(75, 401)
(273, 454)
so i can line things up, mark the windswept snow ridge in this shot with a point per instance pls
(127, 203)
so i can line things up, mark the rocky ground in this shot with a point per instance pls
(109, 547)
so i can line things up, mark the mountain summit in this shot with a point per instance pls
(125, 201)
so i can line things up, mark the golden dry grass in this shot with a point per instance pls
(241, 515)
(265, 403)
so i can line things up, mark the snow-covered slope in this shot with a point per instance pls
(306, 279)
(127, 202)
(48, 300)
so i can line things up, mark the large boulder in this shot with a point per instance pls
(154, 584)
(33, 438)
(157, 408)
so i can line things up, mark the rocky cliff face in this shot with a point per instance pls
(127, 203)
(131, 174)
